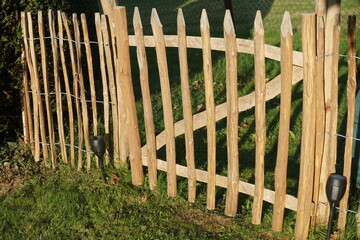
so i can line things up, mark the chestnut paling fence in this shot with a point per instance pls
(73, 95)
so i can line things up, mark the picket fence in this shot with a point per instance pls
(68, 86)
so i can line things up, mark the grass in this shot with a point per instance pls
(68, 204)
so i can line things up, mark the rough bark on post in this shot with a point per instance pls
(166, 100)
(305, 191)
(351, 91)
(284, 125)
(123, 73)
(232, 116)
(145, 91)
(210, 111)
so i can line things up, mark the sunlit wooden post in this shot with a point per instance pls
(166, 100)
(260, 117)
(123, 73)
(145, 90)
(305, 191)
(351, 91)
(210, 111)
(187, 108)
(284, 125)
(232, 116)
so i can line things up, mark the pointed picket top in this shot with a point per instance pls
(155, 20)
(137, 18)
(204, 21)
(258, 23)
(228, 23)
(180, 19)
(286, 27)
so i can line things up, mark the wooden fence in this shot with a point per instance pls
(47, 132)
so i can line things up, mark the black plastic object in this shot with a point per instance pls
(335, 190)
(98, 146)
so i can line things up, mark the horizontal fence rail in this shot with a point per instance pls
(64, 104)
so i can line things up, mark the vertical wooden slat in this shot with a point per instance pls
(232, 116)
(210, 111)
(26, 81)
(320, 111)
(260, 116)
(67, 90)
(38, 118)
(24, 110)
(85, 116)
(187, 108)
(331, 103)
(351, 92)
(284, 125)
(166, 100)
(44, 66)
(145, 90)
(75, 89)
(123, 72)
(104, 84)
(59, 114)
(91, 77)
(111, 78)
(304, 207)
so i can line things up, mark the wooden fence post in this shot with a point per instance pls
(26, 80)
(260, 116)
(123, 73)
(68, 91)
(187, 108)
(59, 114)
(166, 99)
(332, 35)
(39, 126)
(284, 125)
(232, 116)
(101, 46)
(91, 77)
(84, 111)
(320, 111)
(46, 90)
(351, 91)
(305, 191)
(210, 111)
(145, 90)
(75, 89)
(112, 87)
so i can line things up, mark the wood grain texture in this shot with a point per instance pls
(351, 101)
(187, 108)
(67, 90)
(210, 111)
(123, 73)
(284, 124)
(260, 117)
(145, 91)
(166, 100)
(50, 122)
(232, 116)
(304, 207)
